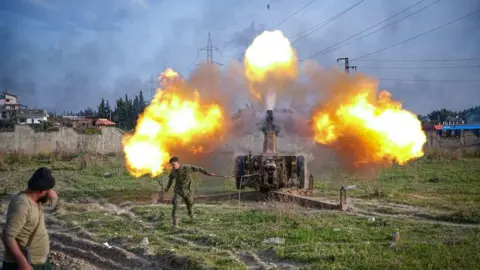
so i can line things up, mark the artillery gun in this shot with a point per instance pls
(270, 171)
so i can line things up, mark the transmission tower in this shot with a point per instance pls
(209, 49)
(347, 66)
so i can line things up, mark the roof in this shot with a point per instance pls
(32, 113)
(461, 127)
(84, 119)
(430, 127)
(453, 119)
(104, 122)
(3, 94)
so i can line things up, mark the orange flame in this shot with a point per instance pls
(269, 61)
(365, 128)
(175, 119)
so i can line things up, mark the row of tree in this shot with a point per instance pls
(124, 113)
(471, 115)
(127, 109)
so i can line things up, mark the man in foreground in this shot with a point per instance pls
(25, 236)
(182, 173)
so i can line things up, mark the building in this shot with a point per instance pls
(31, 116)
(83, 123)
(102, 122)
(450, 120)
(9, 105)
(10, 102)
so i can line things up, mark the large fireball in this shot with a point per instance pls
(366, 127)
(176, 119)
(270, 62)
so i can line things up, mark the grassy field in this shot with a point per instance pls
(230, 235)
(436, 184)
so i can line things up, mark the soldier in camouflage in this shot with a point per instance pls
(183, 180)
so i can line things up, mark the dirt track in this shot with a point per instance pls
(74, 248)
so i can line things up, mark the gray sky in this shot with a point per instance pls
(66, 54)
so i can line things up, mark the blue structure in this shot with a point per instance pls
(456, 129)
(462, 127)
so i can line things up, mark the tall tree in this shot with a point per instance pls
(141, 101)
(102, 109)
(108, 111)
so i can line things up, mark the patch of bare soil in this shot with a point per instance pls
(63, 261)
(72, 249)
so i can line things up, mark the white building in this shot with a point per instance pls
(9, 105)
(32, 116)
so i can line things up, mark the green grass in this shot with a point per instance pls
(313, 240)
(90, 182)
(450, 185)
(322, 240)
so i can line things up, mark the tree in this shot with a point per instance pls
(88, 112)
(141, 101)
(119, 114)
(102, 109)
(108, 111)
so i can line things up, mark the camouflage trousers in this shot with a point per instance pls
(186, 196)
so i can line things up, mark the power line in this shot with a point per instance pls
(318, 26)
(335, 46)
(284, 20)
(322, 24)
(441, 67)
(419, 35)
(424, 60)
(195, 60)
(420, 80)
(293, 14)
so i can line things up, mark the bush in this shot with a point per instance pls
(7, 125)
(88, 131)
(44, 126)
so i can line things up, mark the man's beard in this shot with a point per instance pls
(44, 199)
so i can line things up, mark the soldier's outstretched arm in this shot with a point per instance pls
(200, 169)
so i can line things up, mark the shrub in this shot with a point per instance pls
(88, 130)
(7, 125)
(44, 126)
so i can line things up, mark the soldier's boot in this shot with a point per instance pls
(191, 214)
(174, 223)
(192, 219)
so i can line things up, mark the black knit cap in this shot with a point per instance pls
(41, 180)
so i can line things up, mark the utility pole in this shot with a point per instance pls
(347, 66)
(152, 86)
(209, 49)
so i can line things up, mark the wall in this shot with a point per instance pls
(435, 141)
(25, 140)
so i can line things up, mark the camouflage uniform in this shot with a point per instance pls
(183, 181)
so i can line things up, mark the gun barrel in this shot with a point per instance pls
(270, 131)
